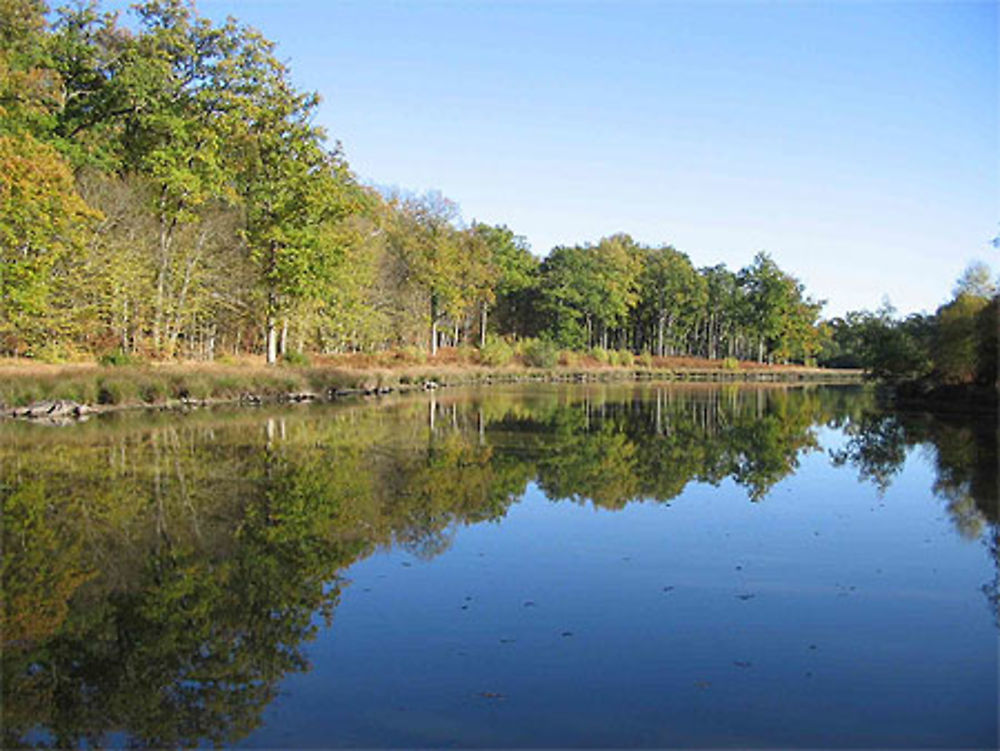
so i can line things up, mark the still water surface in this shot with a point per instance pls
(539, 566)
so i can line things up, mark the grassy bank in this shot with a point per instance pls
(135, 384)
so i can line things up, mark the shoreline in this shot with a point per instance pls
(93, 389)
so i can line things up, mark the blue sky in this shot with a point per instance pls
(856, 142)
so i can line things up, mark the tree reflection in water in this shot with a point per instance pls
(162, 574)
(964, 452)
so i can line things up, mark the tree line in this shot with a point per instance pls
(166, 191)
(954, 346)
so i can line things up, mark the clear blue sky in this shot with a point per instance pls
(856, 142)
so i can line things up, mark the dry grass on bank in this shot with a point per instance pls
(23, 381)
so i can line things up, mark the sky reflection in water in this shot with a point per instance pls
(553, 566)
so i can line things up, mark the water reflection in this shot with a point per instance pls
(161, 575)
(964, 452)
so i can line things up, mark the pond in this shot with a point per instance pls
(535, 566)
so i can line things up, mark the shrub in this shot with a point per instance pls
(294, 357)
(152, 389)
(117, 358)
(195, 386)
(646, 359)
(540, 353)
(54, 353)
(623, 357)
(414, 354)
(601, 355)
(466, 354)
(16, 393)
(117, 390)
(496, 351)
(730, 363)
(82, 390)
(226, 385)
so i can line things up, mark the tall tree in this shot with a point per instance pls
(294, 190)
(778, 315)
(42, 224)
(513, 273)
(668, 295)
(426, 239)
(588, 291)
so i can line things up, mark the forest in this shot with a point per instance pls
(166, 194)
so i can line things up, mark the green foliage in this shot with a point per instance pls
(514, 273)
(117, 390)
(670, 293)
(414, 354)
(496, 352)
(153, 389)
(296, 358)
(600, 354)
(988, 332)
(587, 291)
(783, 320)
(730, 363)
(170, 162)
(623, 358)
(42, 226)
(540, 353)
(897, 352)
(976, 281)
(844, 343)
(118, 358)
(54, 352)
(956, 346)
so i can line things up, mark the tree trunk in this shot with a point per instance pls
(161, 284)
(482, 326)
(125, 327)
(272, 340)
(434, 324)
(174, 325)
(272, 332)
